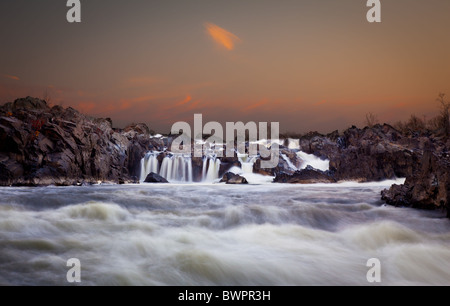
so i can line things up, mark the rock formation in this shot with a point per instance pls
(428, 187)
(40, 145)
(305, 176)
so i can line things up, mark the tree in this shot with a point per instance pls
(371, 120)
(415, 124)
(47, 97)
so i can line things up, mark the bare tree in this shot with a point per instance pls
(371, 120)
(415, 124)
(434, 124)
(47, 96)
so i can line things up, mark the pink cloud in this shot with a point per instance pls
(12, 77)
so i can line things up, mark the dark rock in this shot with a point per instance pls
(233, 179)
(263, 171)
(29, 103)
(226, 177)
(197, 168)
(380, 152)
(155, 178)
(305, 176)
(226, 163)
(140, 128)
(56, 146)
(237, 180)
(334, 136)
(429, 185)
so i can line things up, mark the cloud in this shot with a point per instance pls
(185, 101)
(12, 77)
(255, 106)
(221, 36)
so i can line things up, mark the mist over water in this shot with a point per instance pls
(205, 234)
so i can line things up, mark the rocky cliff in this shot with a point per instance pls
(369, 154)
(40, 145)
(428, 187)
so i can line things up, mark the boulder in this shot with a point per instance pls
(233, 179)
(155, 178)
(226, 163)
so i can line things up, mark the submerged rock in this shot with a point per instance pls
(309, 175)
(155, 178)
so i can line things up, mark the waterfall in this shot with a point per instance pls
(204, 167)
(166, 168)
(179, 167)
(211, 168)
(314, 161)
(247, 162)
(294, 144)
(289, 162)
(149, 164)
(176, 167)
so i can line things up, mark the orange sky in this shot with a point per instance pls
(310, 65)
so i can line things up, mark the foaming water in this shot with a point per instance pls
(314, 161)
(218, 235)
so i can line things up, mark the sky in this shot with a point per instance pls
(307, 64)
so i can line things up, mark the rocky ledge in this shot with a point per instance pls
(428, 187)
(41, 146)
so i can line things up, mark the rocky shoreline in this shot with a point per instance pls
(41, 146)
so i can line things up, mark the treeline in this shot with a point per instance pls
(439, 125)
(415, 125)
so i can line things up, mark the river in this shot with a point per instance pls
(215, 234)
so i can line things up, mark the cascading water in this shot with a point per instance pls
(313, 161)
(208, 235)
(204, 167)
(176, 167)
(247, 162)
(211, 168)
(289, 162)
(149, 164)
(179, 168)
(294, 144)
